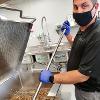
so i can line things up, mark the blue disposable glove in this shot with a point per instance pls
(66, 28)
(44, 76)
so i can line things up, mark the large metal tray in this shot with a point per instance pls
(22, 86)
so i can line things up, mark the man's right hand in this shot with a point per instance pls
(66, 28)
(45, 76)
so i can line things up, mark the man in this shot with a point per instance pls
(84, 61)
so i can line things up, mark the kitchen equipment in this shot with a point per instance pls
(27, 59)
(26, 92)
(54, 90)
(42, 58)
(44, 22)
(61, 56)
(13, 41)
(44, 37)
(21, 13)
(27, 95)
(39, 87)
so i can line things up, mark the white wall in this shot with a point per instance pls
(55, 11)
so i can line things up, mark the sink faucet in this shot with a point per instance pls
(46, 36)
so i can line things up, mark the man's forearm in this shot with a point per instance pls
(70, 38)
(70, 77)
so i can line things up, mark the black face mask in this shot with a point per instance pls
(83, 19)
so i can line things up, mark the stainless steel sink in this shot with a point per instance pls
(18, 82)
(9, 84)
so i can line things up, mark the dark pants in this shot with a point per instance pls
(82, 95)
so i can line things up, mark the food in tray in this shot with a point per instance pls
(28, 95)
